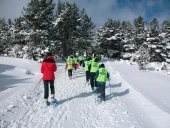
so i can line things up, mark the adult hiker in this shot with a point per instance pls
(69, 66)
(86, 64)
(93, 67)
(101, 77)
(81, 60)
(75, 62)
(48, 68)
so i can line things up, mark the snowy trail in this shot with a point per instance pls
(77, 107)
(147, 113)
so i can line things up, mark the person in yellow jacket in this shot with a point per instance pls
(75, 62)
(93, 67)
(69, 66)
(86, 64)
(101, 77)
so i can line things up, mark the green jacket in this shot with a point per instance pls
(87, 63)
(102, 75)
(94, 66)
(70, 63)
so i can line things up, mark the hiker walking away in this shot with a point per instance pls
(93, 67)
(69, 66)
(81, 60)
(48, 68)
(75, 62)
(86, 69)
(101, 77)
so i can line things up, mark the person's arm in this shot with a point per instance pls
(96, 75)
(55, 67)
(42, 68)
(108, 75)
(89, 67)
(66, 66)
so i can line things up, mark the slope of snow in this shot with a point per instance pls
(128, 105)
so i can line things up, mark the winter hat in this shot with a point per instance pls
(102, 66)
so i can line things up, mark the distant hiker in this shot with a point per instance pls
(86, 64)
(93, 67)
(48, 68)
(81, 60)
(101, 77)
(69, 66)
(75, 62)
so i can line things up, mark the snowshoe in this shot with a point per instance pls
(54, 103)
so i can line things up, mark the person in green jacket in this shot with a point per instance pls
(69, 65)
(93, 67)
(81, 60)
(101, 77)
(86, 69)
(75, 62)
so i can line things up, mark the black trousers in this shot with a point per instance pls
(92, 82)
(87, 76)
(48, 83)
(101, 91)
(69, 72)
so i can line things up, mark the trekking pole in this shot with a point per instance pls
(109, 86)
(38, 83)
(65, 74)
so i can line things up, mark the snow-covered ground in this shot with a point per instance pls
(135, 99)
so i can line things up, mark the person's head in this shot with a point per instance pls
(89, 58)
(102, 66)
(96, 60)
(49, 55)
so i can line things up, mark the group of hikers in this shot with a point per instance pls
(96, 74)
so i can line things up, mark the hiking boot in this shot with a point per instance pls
(47, 102)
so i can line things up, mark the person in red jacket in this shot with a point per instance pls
(48, 68)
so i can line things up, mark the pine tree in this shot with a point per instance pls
(74, 28)
(109, 38)
(67, 26)
(165, 34)
(3, 35)
(156, 48)
(38, 23)
(127, 40)
(85, 32)
(140, 35)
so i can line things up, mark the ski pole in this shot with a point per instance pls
(39, 82)
(65, 74)
(109, 86)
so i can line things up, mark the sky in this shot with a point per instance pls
(101, 10)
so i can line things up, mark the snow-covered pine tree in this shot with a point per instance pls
(85, 32)
(156, 47)
(165, 34)
(109, 39)
(127, 40)
(67, 26)
(140, 35)
(38, 24)
(4, 34)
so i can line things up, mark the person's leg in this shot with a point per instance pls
(103, 92)
(88, 75)
(92, 81)
(52, 89)
(46, 90)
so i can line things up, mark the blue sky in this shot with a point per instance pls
(101, 10)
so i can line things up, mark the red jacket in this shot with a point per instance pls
(48, 68)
